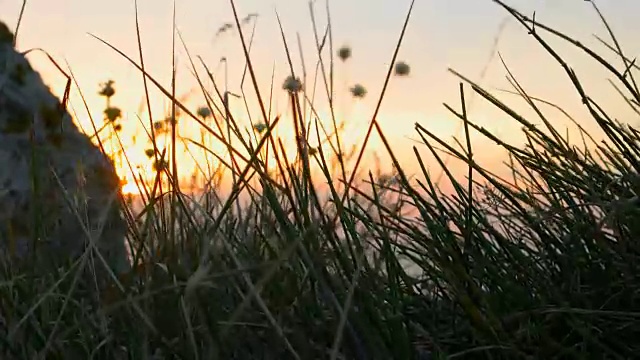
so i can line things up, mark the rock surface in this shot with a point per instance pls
(52, 177)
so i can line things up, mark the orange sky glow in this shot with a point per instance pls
(469, 36)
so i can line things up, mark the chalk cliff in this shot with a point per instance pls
(58, 191)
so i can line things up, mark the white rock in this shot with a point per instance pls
(41, 148)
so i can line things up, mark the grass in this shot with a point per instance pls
(540, 265)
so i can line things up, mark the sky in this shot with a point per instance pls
(466, 35)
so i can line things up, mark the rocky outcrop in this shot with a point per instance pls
(58, 191)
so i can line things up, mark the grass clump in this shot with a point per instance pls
(541, 265)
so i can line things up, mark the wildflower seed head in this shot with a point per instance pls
(402, 68)
(160, 165)
(249, 17)
(224, 28)
(112, 113)
(344, 53)
(358, 91)
(260, 127)
(107, 89)
(149, 153)
(292, 84)
(158, 125)
(204, 112)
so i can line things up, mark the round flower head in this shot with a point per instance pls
(260, 127)
(344, 53)
(149, 153)
(292, 84)
(112, 113)
(358, 91)
(160, 165)
(107, 89)
(204, 112)
(402, 68)
(158, 125)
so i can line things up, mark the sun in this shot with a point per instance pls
(129, 188)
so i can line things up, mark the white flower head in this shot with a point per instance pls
(402, 68)
(344, 53)
(358, 91)
(292, 84)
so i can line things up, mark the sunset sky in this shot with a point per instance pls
(460, 34)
